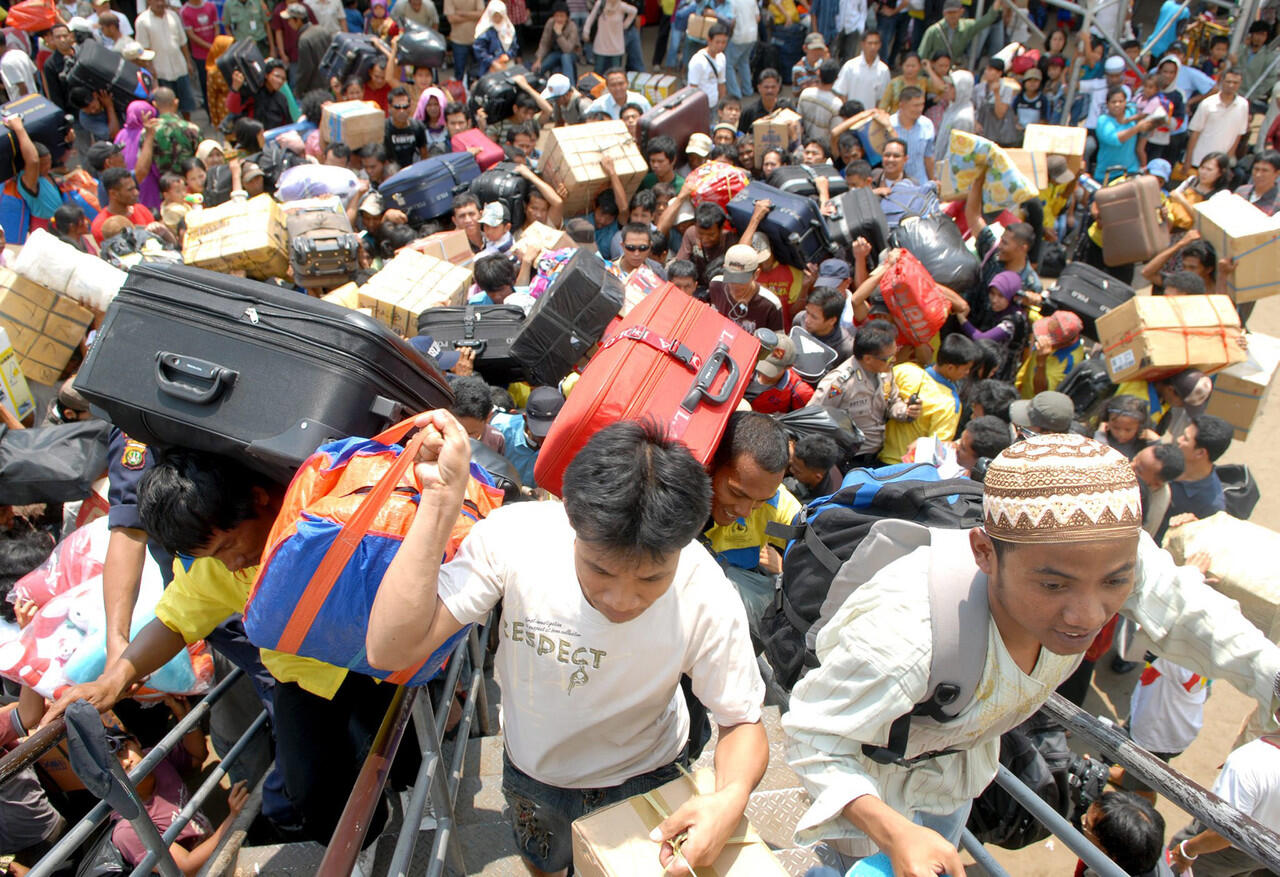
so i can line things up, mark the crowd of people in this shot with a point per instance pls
(646, 545)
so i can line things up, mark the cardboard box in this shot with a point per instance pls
(13, 383)
(1240, 390)
(411, 283)
(1057, 140)
(572, 157)
(1033, 165)
(347, 295)
(1255, 586)
(544, 237)
(247, 236)
(614, 841)
(43, 328)
(356, 123)
(1239, 231)
(452, 246)
(698, 26)
(1151, 337)
(773, 131)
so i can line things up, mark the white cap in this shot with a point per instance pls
(495, 213)
(1114, 64)
(558, 85)
(132, 50)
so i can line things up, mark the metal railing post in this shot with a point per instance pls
(984, 860)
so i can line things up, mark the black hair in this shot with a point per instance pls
(956, 349)
(783, 157)
(1203, 251)
(1213, 434)
(168, 178)
(995, 397)
(66, 216)
(608, 202)
(829, 299)
(1270, 156)
(452, 108)
(398, 91)
(501, 398)
(1131, 44)
(471, 397)
(909, 93)
(1126, 405)
(661, 144)
(727, 151)
(768, 73)
(645, 200)
(112, 177)
(376, 151)
(634, 228)
(758, 436)
(996, 63)
(658, 246)
(989, 435)
(1022, 232)
(829, 71)
(1171, 460)
(818, 451)
(990, 354)
(21, 551)
(859, 168)
(612, 70)
(1113, 91)
(560, 6)
(1260, 27)
(635, 491)
(246, 133)
(873, 337)
(394, 236)
(898, 140)
(187, 495)
(352, 80)
(1224, 168)
(1186, 282)
(847, 140)
(826, 148)
(1222, 40)
(682, 268)
(717, 30)
(463, 199)
(312, 104)
(850, 108)
(338, 150)
(708, 215)
(524, 100)
(190, 164)
(494, 272)
(1130, 831)
(631, 106)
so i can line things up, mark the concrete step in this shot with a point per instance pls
(280, 860)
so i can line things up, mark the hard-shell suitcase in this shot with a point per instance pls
(1088, 292)
(683, 114)
(797, 234)
(324, 257)
(570, 316)
(1133, 229)
(421, 47)
(489, 330)
(45, 123)
(244, 56)
(673, 360)
(425, 189)
(97, 68)
(350, 54)
(502, 183)
(490, 152)
(232, 366)
(859, 215)
(799, 179)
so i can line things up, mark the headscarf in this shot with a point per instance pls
(420, 112)
(958, 116)
(130, 141)
(215, 85)
(506, 31)
(220, 45)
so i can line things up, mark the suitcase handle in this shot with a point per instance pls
(219, 377)
(701, 388)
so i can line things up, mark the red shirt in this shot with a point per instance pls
(139, 215)
(378, 95)
(202, 21)
(788, 394)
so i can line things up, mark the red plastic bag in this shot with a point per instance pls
(32, 16)
(717, 182)
(917, 308)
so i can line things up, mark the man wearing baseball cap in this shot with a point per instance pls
(1045, 413)
(524, 433)
(1056, 351)
(778, 386)
(568, 105)
(736, 294)
(805, 71)
(825, 307)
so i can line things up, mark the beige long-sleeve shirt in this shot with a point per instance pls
(874, 658)
(463, 32)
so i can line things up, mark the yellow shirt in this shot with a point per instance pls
(204, 593)
(1057, 366)
(1144, 390)
(939, 417)
(739, 543)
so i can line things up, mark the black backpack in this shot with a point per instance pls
(997, 818)
(1089, 387)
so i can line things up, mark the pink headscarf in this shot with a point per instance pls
(420, 113)
(130, 141)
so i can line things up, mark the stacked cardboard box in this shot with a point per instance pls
(1239, 390)
(244, 236)
(411, 283)
(773, 131)
(655, 87)
(44, 328)
(572, 157)
(1151, 337)
(452, 246)
(1241, 232)
(1057, 140)
(356, 123)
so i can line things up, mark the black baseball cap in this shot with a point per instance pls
(100, 152)
(541, 410)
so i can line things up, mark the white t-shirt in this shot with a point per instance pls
(588, 703)
(746, 21)
(1166, 711)
(165, 36)
(126, 29)
(329, 14)
(707, 73)
(17, 68)
(1219, 125)
(862, 82)
(1250, 781)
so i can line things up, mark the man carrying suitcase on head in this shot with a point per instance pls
(606, 602)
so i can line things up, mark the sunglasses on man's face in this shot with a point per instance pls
(636, 248)
(399, 106)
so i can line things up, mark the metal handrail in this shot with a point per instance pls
(82, 830)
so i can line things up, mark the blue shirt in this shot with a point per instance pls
(1201, 498)
(519, 452)
(1111, 152)
(46, 200)
(919, 140)
(1169, 10)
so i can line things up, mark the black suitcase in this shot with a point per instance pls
(232, 366)
(495, 93)
(350, 54)
(97, 68)
(1088, 292)
(1089, 387)
(858, 215)
(568, 319)
(245, 57)
(798, 179)
(425, 189)
(502, 183)
(421, 47)
(489, 330)
(45, 122)
(797, 234)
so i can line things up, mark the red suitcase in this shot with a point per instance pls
(490, 152)
(673, 360)
(684, 113)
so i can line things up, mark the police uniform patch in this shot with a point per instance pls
(134, 456)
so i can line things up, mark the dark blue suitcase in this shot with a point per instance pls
(45, 122)
(350, 54)
(797, 235)
(425, 189)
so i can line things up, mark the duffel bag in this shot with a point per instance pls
(717, 182)
(917, 308)
(55, 463)
(342, 521)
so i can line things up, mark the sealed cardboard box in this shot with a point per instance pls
(17, 395)
(543, 237)
(411, 283)
(43, 328)
(1239, 575)
(1241, 232)
(452, 246)
(698, 26)
(773, 131)
(1239, 390)
(572, 157)
(614, 841)
(347, 295)
(1057, 140)
(1151, 337)
(356, 123)
(246, 236)
(1033, 165)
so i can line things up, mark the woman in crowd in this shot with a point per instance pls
(496, 45)
(136, 139)
(912, 74)
(430, 111)
(957, 114)
(216, 85)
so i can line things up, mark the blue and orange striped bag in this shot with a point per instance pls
(342, 520)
